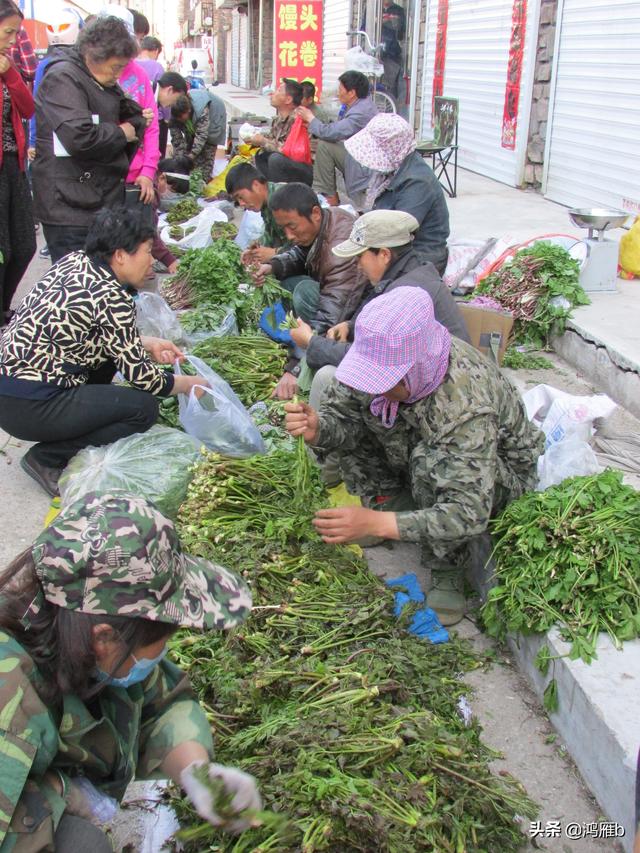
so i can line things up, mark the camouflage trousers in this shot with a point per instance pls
(367, 473)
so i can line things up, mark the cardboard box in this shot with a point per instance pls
(489, 330)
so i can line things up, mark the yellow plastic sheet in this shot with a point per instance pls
(630, 251)
(54, 509)
(217, 184)
(339, 496)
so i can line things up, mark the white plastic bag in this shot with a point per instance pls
(560, 415)
(355, 59)
(154, 464)
(200, 238)
(246, 131)
(569, 458)
(251, 228)
(156, 319)
(217, 418)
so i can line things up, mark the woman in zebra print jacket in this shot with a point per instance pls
(66, 341)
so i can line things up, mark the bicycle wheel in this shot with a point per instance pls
(384, 102)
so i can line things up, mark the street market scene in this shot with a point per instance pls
(319, 426)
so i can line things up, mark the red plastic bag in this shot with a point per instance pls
(297, 145)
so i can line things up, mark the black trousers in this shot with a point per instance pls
(62, 239)
(93, 414)
(276, 167)
(17, 229)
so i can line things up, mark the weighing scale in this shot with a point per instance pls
(599, 261)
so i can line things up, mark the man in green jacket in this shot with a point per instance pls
(251, 191)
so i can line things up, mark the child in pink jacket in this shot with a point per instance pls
(142, 172)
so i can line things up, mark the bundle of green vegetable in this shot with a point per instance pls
(251, 364)
(527, 285)
(185, 209)
(569, 556)
(348, 723)
(215, 275)
(206, 318)
(224, 231)
(196, 183)
(518, 360)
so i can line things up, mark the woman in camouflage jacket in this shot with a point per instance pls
(425, 428)
(87, 700)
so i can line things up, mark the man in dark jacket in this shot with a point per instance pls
(382, 242)
(87, 132)
(325, 288)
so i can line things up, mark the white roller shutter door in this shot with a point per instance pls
(477, 54)
(593, 140)
(244, 50)
(336, 24)
(235, 49)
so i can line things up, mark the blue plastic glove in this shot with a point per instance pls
(270, 321)
(425, 623)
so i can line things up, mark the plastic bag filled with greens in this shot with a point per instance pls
(155, 465)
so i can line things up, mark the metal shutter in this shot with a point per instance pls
(336, 24)
(235, 49)
(592, 156)
(244, 50)
(478, 38)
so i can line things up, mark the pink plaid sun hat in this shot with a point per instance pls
(382, 144)
(396, 338)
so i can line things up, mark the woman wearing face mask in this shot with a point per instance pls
(87, 133)
(88, 700)
(17, 231)
(426, 429)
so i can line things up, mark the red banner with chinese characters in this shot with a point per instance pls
(298, 41)
(514, 74)
(441, 50)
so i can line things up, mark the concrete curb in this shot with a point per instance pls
(597, 716)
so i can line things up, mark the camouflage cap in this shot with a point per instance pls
(117, 554)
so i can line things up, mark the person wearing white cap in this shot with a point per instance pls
(401, 180)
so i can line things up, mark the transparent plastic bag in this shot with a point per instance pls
(571, 457)
(155, 465)
(228, 327)
(355, 59)
(156, 318)
(217, 418)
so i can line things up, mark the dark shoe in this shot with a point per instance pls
(44, 252)
(46, 477)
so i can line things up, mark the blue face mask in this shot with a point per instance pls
(138, 672)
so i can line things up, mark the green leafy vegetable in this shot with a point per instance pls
(517, 360)
(569, 556)
(527, 285)
(185, 209)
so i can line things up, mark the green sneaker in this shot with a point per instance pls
(445, 595)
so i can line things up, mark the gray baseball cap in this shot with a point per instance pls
(378, 229)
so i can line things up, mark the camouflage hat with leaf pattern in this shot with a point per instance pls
(117, 554)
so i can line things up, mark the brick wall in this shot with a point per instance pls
(541, 92)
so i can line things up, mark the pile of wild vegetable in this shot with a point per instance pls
(215, 276)
(531, 286)
(183, 210)
(251, 364)
(349, 724)
(569, 556)
(224, 231)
